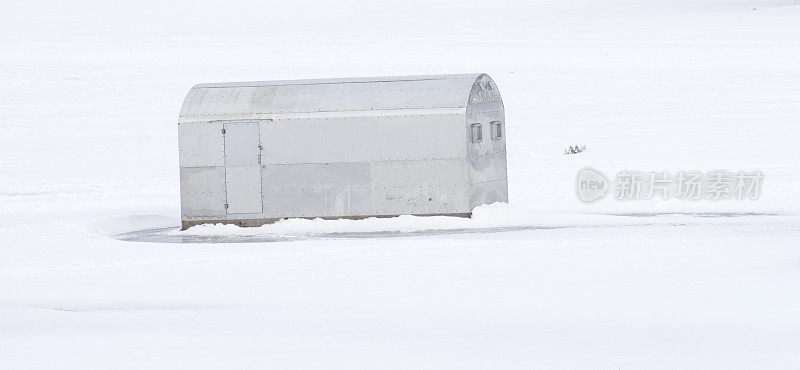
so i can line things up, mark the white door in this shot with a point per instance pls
(242, 167)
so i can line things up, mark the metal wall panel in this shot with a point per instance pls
(364, 188)
(489, 192)
(361, 96)
(363, 139)
(207, 101)
(242, 147)
(317, 190)
(200, 144)
(418, 187)
(203, 191)
(243, 185)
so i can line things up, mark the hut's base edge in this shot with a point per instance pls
(255, 222)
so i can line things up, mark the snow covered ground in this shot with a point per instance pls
(93, 273)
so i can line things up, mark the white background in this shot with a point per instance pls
(90, 93)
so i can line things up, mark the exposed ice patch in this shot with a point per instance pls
(490, 218)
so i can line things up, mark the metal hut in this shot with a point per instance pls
(255, 152)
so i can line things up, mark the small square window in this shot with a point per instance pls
(497, 130)
(477, 132)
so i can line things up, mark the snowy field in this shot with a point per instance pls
(94, 274)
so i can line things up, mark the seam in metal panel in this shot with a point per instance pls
(497, 153)
(370, 161)
(488, 181)
(372, 113)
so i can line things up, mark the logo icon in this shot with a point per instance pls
(591, 185)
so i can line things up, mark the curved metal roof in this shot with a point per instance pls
(240, 100)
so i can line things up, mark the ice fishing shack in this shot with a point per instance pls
(255, 152)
